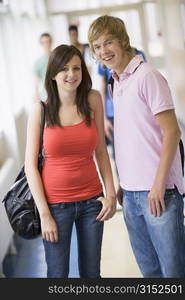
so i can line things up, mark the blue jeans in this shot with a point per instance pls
(158, 243)
(89, 238)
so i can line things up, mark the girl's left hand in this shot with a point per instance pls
(108, 208)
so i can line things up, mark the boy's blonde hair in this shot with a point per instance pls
(112, 26)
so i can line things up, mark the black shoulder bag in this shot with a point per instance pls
(19, 203)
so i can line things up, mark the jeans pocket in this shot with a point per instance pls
(94, 199)
(171, 198)
(96, 202)
(170, 193)
(93, 202)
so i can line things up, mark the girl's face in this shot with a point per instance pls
(70, 77)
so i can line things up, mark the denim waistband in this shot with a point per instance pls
(73, 202)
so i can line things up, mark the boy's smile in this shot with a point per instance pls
(109, 51)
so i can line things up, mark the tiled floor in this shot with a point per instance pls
(117, 258)
(30, 261)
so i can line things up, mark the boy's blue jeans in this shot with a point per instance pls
(158, 243)
(89, 238)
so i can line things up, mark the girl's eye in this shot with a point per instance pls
(64, 69)
(77, 68)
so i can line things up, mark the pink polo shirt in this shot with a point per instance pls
(140, 93)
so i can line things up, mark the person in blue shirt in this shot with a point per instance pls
(105, 74)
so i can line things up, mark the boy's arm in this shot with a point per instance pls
(171, 137)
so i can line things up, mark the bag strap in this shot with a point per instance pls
(111, 82)
(181, 147)
(42, 125)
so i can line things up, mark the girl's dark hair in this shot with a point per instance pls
(59, 57)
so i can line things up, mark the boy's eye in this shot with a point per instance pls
(108, 42)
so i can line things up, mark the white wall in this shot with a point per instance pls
(7, 175)
(172, 23)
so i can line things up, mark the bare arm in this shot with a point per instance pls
(103, 161)
(48, 226)
(171, 137)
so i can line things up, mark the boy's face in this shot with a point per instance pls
(73, 35)
(108, 50)
(46, 42)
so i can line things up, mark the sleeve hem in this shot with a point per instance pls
(163, 108)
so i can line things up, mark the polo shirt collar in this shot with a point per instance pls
(130, 68)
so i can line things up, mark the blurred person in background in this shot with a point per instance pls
(40, 67)
(84, 48)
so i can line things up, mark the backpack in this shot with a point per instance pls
(181, 146)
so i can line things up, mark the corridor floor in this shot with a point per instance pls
(117, 258)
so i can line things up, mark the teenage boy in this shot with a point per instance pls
(146, 135)
(84, 48)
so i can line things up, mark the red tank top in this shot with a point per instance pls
(69, 173)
